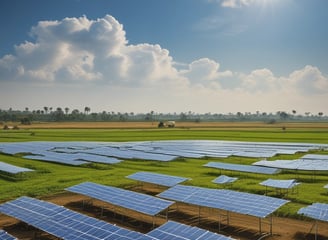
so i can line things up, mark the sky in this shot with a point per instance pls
(217, 56)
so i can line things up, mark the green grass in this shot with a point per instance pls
(52, 178)
(261, 134)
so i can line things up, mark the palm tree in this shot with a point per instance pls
(46, 109)
(66, 110)
(87, 110)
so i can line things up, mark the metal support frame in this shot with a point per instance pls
(269, 222)
(224, 217)
(315, 226)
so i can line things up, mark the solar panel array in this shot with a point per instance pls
(300, 164)
(177, 231)
(6, 236)
(223, 179)
(277, 183)
(318, 211)
(139, 202)
(107, 152)
(156, 178)
(64, 223)
(242, 168)
(239, 202)
(315, 157)
(5, 167)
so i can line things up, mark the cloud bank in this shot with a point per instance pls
(75, 57)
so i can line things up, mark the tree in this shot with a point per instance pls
(66, 110)
(58, 114)
(87, 110)
(283, 115)
(46, 109)
(320, 114)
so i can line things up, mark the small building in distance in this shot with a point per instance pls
(170, 124)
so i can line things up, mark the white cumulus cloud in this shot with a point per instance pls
(236, 3)
(78, 57)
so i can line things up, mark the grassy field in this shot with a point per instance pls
(51, 178)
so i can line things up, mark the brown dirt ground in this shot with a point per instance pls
(240, 226)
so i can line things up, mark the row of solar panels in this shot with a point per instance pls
(9, 168)
(275, 183)
(170, 181)
(76, 153)
(186, 194)
(239, 202)
(70, 225)
(309, 162)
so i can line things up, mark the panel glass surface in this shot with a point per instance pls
(156, 178)
(5, 167)
(64, 223)
(318, 211)
(239, 202)
(242, 168)
(139, 202)
(223, 179)
(6, 236)
(176, 231)
(277, 183)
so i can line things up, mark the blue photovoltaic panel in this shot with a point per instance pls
(5, 167)
(177, 231)
(64, 223)
(239, 202)
(315, 157)
(6, 236)
(242, 168)
(277, 183)
(139, 202)
(300, 164)
(156, 178)
(318, 211)
(152, 150)
(63, 158)
(223, 179)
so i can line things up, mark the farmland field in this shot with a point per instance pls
(50, 179)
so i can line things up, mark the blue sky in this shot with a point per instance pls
(165, 56)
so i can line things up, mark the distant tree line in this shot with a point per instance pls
(49, 114)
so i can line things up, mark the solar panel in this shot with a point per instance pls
(5, 167)
(56, 157)
(176, 231)
(318, 211)
(239, 202)
(286, 184)
(242, 168)
(64, 223)
(223, 179)
(139, 202)
(156, 178)
(152, 150)
(301, 164)
(6, 236)
(253, 154)
(315, 157)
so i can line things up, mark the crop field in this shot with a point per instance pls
(49, 180)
